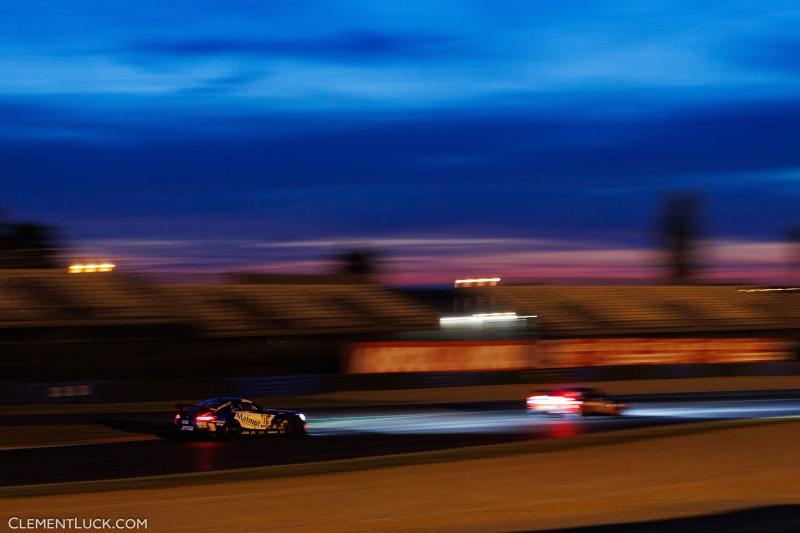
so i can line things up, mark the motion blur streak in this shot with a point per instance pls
(731, 409)
(518, 421)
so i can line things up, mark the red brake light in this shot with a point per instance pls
(205, 418)
(177, 416)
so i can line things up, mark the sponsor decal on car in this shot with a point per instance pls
(253, 420)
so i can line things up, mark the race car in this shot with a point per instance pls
(584, 401)
(231, 417)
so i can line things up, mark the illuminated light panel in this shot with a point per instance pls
(91, 267)
(483, 317)
(771, 290)
(478, 282)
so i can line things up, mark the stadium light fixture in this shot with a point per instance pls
(477, 282)
(82, 268)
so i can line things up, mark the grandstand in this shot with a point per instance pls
(281, 309)
(626, 310)
(49, 299)
(59, 326)
(281, 306)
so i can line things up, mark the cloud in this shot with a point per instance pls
(774, 54)
(733, 252)
(354, 46)
(408, 242)
(414, 260)
(313, 177)
(223, 85)
(22, 119)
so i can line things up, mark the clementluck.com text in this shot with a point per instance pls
(20, 523)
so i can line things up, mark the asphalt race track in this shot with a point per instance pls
(351, 432)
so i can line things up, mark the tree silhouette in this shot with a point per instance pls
(361, 263)
(679, 234)
(27, 245)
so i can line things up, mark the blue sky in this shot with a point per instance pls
(528, 139)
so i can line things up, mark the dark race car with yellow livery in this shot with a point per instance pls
(231, 417)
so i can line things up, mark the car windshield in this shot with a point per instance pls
(213, 403)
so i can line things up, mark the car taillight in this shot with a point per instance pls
(205, 418)
(555, 401)
(177, 416)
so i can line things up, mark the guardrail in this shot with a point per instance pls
(112, 391)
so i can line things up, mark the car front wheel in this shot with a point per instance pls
(289, 428)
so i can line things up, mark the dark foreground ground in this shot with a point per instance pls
(732, 475)
(772, 519)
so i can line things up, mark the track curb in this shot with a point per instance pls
(386, 461)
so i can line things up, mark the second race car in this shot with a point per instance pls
(230, 417)
(584, 401)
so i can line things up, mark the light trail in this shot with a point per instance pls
(444, 421)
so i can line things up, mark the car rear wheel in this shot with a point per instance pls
(232, 430)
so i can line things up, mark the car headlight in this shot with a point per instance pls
(302, 417)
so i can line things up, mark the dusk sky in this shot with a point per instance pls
(523, 139)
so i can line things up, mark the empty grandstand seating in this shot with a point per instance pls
(57, 298)
(610, 310)
(51, 298)
(278, 309)
(274, 308)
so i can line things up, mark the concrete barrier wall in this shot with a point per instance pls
(110, 391)
(459, 356)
